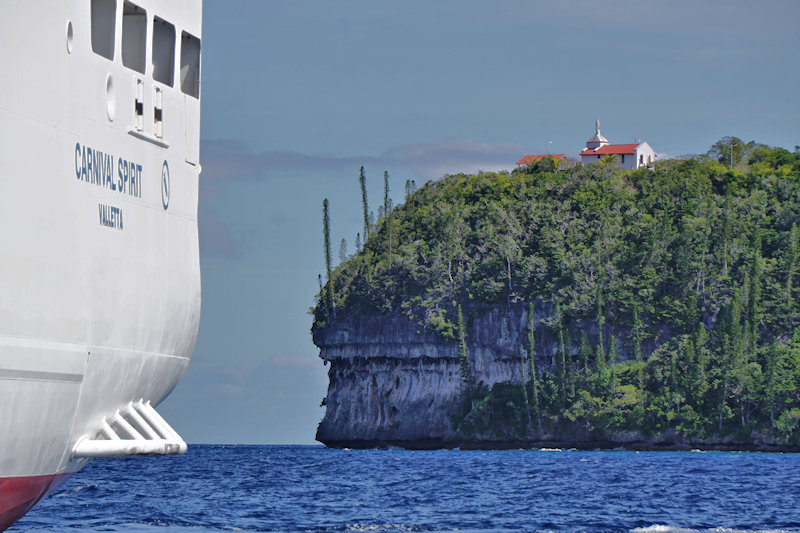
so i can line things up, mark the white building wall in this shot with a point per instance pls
(645, 155)
(642, 156)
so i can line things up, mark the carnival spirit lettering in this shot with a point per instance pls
(97, 168)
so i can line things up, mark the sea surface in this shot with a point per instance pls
(311, 488)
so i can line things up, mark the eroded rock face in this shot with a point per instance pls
(391, 381)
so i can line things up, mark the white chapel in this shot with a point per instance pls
(630, 156)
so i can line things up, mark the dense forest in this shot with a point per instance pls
(696, 259)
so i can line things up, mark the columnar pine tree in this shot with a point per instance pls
(600, 319)
(770, 380)
(702, 354)
(532, 367)
(613, 356)
(362, 179)
(731, 350)
(387, 209)
(386, 201)
(463, 356)
(754, 294)
(637, 349)
(726, 230)
(561, 357)
(600, 374)
(343, 251)
(358, 242)
(326, 230)
(723, 387)
(524, 384)
(791, 267)
(584, 352)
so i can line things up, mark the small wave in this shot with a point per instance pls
(731, 530)
(378, 527)
(661, 528)
(74, 490)
(551, 450)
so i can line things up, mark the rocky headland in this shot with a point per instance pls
(582, 308)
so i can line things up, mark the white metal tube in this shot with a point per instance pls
(121, 448)
(108, 431)
(158, 423)
(160, 438)
(142, 424)
(173, 433)
(126, 428)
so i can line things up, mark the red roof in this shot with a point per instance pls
(528, 159)
(612, 149)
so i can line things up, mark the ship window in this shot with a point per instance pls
(190, 65)
(104, 13)
(163, 51)
(134, 36)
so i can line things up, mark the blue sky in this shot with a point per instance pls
(297, 95)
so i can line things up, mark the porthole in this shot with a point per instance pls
(69, 36)
(110, 100)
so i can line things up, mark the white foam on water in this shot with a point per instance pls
(377, 527)
(662, 528)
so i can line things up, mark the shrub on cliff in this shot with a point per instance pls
(695, 248)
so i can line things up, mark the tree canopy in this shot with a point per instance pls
(705, 248)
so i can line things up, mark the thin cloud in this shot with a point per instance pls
(216, 238)
(437, 159)
(226, 160)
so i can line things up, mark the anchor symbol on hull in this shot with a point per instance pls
(165, 185)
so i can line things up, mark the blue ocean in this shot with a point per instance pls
(312, 488)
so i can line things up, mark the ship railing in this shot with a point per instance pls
(136, 429)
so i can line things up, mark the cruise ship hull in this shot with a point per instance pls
(19, 494)
(99, 253)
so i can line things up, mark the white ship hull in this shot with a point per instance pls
(99, 262)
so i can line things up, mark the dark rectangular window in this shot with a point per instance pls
(134, 37)
(190, 65)
(104, 14)
(163, 51)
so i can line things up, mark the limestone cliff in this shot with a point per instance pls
(392, 382)
(666, 311)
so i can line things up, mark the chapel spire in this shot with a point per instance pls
(597, 140)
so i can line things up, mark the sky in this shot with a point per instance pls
(297, 95)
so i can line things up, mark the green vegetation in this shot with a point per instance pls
(362, 180)
(668, 295)
(326, 235)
